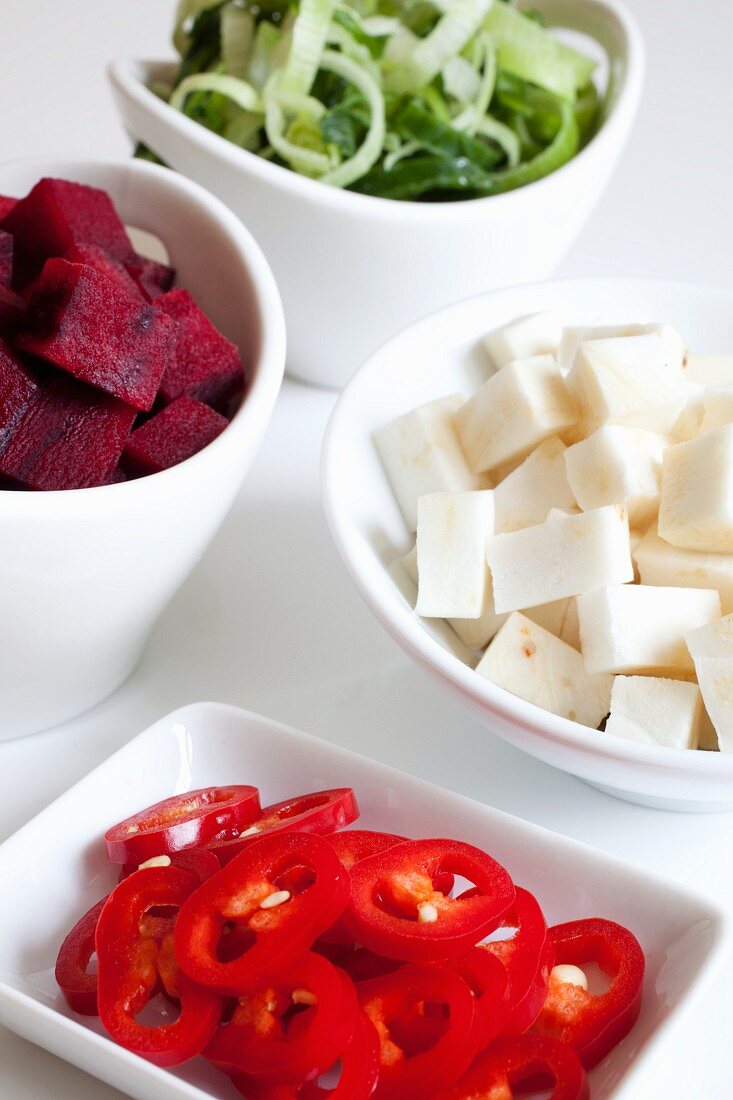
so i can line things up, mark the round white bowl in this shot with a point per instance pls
(84, 573)
(439, 356)
(353, 269)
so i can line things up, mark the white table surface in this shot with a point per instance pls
(269, 619)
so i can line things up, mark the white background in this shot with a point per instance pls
(269, 620)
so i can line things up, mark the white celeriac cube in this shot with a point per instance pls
(563, 513)
(617, 465)
(663, 564)
(711, 647)
(717, 409)
(696, 504)
(656, 711)
(540, 483)
(551, 616)
(533, 664)
(562, 557)
(640, 628)
(477, 633)
(708, 735)
(626, 380)
(574, 335)
(474, 633)
(500, 473)
(570, 631)
(535, 334)
(709, 370)
(407, 587)
(519, 407)
(452, 529)
(421, 454)
(688, 423)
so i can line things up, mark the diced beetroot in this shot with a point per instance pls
(154, 278)
(57, 214)
(18, 388)
(6, 205)
(69, 437)
(6, 258)
(83, 323)
(207, 365)
(172, 435)
(117, 475)
(115, 271)
(12, 310)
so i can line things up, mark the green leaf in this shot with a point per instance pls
(413, 123)
(339, 127)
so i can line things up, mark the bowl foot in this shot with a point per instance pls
(660, 802)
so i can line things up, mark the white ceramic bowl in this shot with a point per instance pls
(58, 869)
(438, 356)
(352, 269)
(85, 573)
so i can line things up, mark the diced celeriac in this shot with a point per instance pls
(551, 616)
(421, 454)
(500, 473)
(709, 370)
(519, 407)
(711, 647)
(563, 513)
(688, 423)
(618, 465)
(708, 735)
(537, 485)
(452, 529)
(656, 711)
(535, 334)
(440, 628)
(717, 409)
(663, 564)
(562, 557)
(573, 336)
(475, 633)
(534, 665)
(696, 504)
(570, 631)
(626, 380)
(639, 628)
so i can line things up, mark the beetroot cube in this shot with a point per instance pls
(154, 278)
(58, 214)
(6, 205)
(118, 475)
(84, 324)
(18, 388)
(6, 259)
(172, 435)
(207, 365)
(12, 310)
(68, 437)
(110, 267)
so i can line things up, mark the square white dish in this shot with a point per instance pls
(57, 867)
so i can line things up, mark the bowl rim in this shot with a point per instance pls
(252, 416)
(407, 629)
(128, 77)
